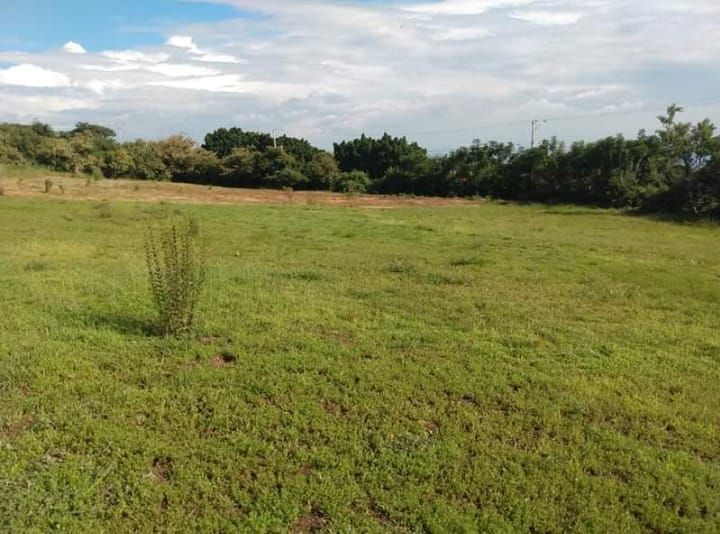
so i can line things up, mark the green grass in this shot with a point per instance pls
(495, 368)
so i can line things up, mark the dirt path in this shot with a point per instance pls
(144, 191)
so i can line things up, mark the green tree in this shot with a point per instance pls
(393, 164)
(147, 164)
(239, 167)
(223, 141)
(272, 166)
(350, 182)
(321, 170)
(118, 163)
(10, 155)
(58, 154)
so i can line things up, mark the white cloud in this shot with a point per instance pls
(134, 56)
(181, 71)
(234, 83)
(230, 83)
(27, 75)
(71, 47)
(182, 41)
(219, 58)
(114, 67)
(462, 34)
(622, 106)
(100, 86)
(330, 69)
(187, 43)
(27, 107)
(464, 7)
(547, 18)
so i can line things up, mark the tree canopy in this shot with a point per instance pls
(675, 169)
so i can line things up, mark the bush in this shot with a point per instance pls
(176, 274)
(350, 182)
(9, 155)
(117, 163)
(286, 178)
(146, 162)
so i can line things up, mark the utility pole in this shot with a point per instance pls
(275, 136)
(534, 125)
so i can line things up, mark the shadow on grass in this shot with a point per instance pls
(129, 325)
(659, 216)
(567, 211)
(684, 219)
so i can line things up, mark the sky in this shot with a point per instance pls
(442, 72)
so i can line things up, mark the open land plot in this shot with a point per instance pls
(429, 368)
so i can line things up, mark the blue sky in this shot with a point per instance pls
(440, 71)
(101, 24)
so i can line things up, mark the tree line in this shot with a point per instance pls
(675, 169)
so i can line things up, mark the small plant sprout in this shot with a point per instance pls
(177, 274)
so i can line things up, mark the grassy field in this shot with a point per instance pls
(439, 369)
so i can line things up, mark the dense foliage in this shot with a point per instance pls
(676, 169)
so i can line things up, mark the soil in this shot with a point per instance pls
(77, 188)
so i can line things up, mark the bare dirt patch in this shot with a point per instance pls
(380, 515)
(315, 521)
(78, 188)
(431, 426)
(14, 430)
(334, 408)
(224, 359)
(339, 337)
(162, 470)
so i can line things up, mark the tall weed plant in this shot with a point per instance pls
(176, 272)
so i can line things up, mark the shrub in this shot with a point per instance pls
(146, 163)
(286, 178)
(350, 182)
(118, 162)
(176, 274)
(9, 155)
(95, 172)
